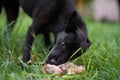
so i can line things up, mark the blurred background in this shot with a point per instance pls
(100, 10)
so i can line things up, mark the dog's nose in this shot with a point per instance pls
(52, 61)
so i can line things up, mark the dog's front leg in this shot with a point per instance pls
(33, 30)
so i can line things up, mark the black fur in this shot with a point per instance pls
(60, 18)
(12, 8)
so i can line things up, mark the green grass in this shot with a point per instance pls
(102, 59)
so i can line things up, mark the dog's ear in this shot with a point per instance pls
(72, 23)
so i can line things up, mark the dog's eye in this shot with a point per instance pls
(63, 44)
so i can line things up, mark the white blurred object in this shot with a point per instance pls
(107, 10)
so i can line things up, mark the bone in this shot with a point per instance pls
(53, 69)
(68, 68)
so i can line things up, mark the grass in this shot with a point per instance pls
(102, 59)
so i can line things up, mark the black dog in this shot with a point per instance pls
(60, 18)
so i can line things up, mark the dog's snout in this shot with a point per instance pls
(52, 61)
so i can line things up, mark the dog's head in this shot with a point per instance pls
(68, 41)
